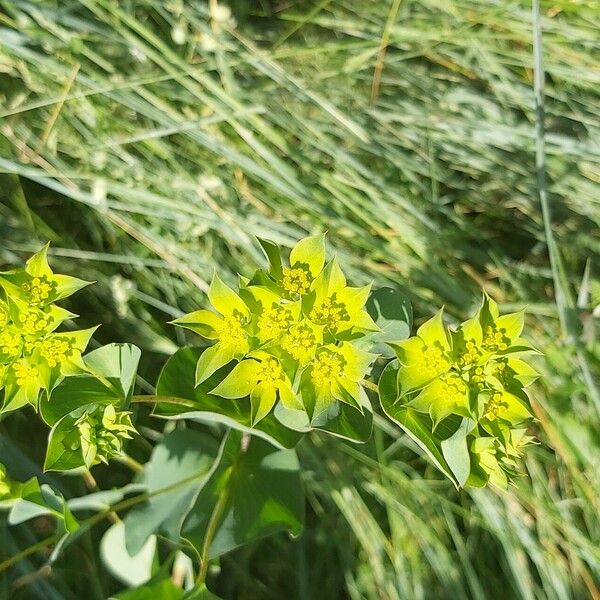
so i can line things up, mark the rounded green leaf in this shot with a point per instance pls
(264, 495)
(131, 570)
(176, 472)
(113, 370)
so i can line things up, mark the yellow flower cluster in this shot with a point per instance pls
(33, 357)
(292, 331)
(38, 289)
(300, 342)
(296, 281)
(477, 373)
(327, 367)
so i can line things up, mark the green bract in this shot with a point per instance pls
(33, 357)
(292, 331)
(475, 373)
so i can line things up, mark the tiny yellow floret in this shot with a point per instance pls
(10, 344)
(274, 320)
(55, 351)
(330, 313)
(270, 372)
(38, 290)
(33, 322)
(494, 406)
(296, 281)
(471, 355)
(25, 374)
(433, 360)
(328, 366)
(231, 330)
(300, 342)
(454, 388)
(495, 339)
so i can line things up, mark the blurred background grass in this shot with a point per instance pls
(149, 141)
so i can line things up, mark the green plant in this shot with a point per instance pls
(290, 354)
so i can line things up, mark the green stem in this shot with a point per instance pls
(92, 485)
(133, 464)
(370, 385)
(9, 562)
(217, 514)
(151, 399)
(211, 530)
(94, 519)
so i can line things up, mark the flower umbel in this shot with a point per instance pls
(262, 377)
(476, 373)
(228, 327)
(293, 333)
(334, 375)
(32, 357)
(306, 262)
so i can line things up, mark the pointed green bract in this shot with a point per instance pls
(478, 373)
(306, 262)
(224, 299)
(310, 253)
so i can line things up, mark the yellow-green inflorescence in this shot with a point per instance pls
(292, 333)
(33, 356)
(476, 372)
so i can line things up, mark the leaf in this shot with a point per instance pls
(309, 252)
(131, 570)
(264, 496)
(118, 363)
(160, 590)
(224, 299)
(114, 368)
(392, 312)
(273, 254)
(176, 472)
(177, 381)
(102, 501)
(417, 425)
(341, 420)
(456, 452)
(201, 593)
(39, 500)
(64, 451)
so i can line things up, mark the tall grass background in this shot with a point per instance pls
(150, 141)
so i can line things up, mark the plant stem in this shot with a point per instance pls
(9, 562)
(92, 485)
(151, 399)
(217, 513)
(133, 464)
(93, 520)
(370, 385)
(211, 530)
